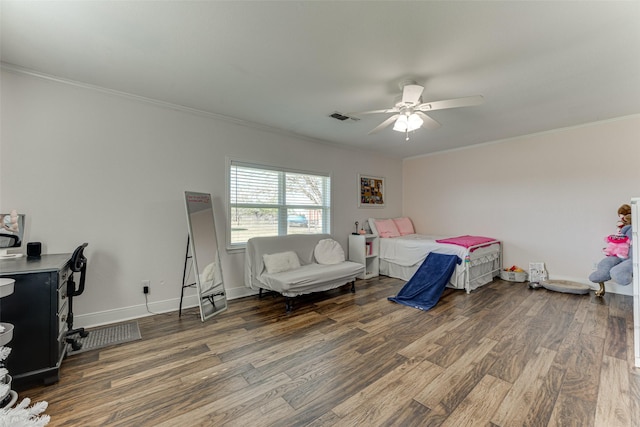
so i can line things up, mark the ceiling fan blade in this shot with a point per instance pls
(388, 110)
(384, 124)
(451, 103)
(428, 122)
(411, 94)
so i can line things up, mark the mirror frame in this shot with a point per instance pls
(206, 299)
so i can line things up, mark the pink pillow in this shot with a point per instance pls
(404, 226)
(387, 228)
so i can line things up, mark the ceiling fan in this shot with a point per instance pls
(410, 110)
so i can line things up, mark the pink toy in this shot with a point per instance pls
(617, 245)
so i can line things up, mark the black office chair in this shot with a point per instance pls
(78, 264)
(9, 240)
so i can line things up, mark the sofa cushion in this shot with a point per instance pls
(312, 278)
(328, 251)
(281, 261)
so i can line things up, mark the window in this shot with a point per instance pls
(271, 201)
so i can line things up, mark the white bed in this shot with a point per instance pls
(401, 257)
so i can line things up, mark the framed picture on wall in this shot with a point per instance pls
(371, 191)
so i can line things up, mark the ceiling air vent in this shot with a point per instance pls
(342, 117)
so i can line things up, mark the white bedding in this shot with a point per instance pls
(413, 249)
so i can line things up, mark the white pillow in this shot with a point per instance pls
(328, 251)
(281, 261)
(372, 226)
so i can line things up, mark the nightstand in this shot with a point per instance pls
(364, 249)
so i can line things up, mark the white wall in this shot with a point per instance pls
(550, 197)
(87, 165)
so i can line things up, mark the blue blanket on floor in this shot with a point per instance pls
(425, 288)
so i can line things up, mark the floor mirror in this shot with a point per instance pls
(204, 254)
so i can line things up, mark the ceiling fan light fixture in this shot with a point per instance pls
(414, 122)
(408, 123)
(402, 124)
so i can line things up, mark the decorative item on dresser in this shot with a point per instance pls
(34, 249)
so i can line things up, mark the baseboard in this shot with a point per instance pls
(107, 317)
(159, 307)
(242, 292)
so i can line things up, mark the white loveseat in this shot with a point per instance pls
(309, 277)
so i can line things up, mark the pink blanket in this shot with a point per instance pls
(466, 241)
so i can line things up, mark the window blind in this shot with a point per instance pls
(272, 201)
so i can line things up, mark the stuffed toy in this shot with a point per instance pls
(617, 245)
(624, 216)
(617, 265)
(10, 222)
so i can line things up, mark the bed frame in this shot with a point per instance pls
(492, 261)
(477, 270)
(479, 266)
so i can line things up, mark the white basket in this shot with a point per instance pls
(7, 334)
(513, 276)
(6, 287)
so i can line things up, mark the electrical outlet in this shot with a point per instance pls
(146, 286)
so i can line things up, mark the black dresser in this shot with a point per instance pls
(38, 310)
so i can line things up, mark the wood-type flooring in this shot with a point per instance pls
(504, 355)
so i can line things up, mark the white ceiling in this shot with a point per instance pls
(288, 65)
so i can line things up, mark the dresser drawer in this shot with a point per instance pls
(62, 296)
(63, 275)
(62, 343)
(62, 315)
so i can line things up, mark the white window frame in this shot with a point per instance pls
(281, 206)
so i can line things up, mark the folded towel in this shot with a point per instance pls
(466, 241)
